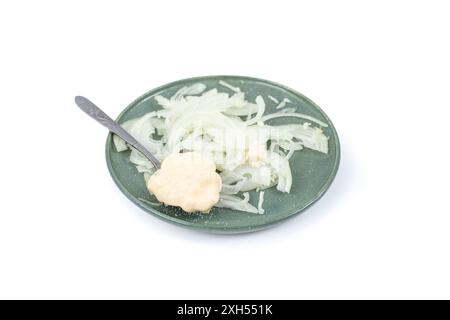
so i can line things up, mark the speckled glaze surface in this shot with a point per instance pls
(312, 172)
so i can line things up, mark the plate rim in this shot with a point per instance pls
(212, 228)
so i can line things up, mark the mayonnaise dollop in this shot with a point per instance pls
(187, 180)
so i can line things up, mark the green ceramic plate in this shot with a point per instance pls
(313, 172)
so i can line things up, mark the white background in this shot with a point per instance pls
(380, 70)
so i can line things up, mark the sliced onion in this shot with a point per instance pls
(236, 203)
(260, 202)
(295, 115)
(212, 123)
(259, 115)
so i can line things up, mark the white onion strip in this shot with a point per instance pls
(295, 115)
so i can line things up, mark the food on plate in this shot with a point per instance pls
(227, 131)
(187, 180)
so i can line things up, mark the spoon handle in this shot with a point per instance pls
(96, 113)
